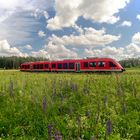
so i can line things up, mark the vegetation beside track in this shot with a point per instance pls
(70, 105)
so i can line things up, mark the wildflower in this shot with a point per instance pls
(92, 137)
(44, 104)
(58, 136)
(109, 127)
(11, 88)
(105, 100)
(124, 109)
(78, 121)
(49, 131)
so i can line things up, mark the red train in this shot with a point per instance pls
(81, 65)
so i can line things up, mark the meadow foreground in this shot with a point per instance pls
(69, 106)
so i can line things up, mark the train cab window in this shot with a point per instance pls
(41, 66)
(46, 65)
(111, 64)
(53, 66)
(86, 64)
(92, 64)
(65, 66)
(101, 64)
(59, 65)
(71, 65)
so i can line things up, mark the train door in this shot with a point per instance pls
(77, 67)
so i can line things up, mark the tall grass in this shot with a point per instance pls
(69, 106)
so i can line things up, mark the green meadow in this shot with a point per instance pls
(69, 106)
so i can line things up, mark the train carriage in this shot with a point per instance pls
(80, 65)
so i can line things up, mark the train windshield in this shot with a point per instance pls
(111, 64)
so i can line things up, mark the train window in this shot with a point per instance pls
(85, 64)
(101, 64)
(46, 65)
(65, 66)
(59, 65)
(111, 64)
(71, 65)
(34, 66)
(41, 66)
(28, 66)
(37, 67)
(92, 64)
(53, 66)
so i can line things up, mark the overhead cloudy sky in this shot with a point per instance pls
(59, 29)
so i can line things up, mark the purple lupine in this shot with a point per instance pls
(78, 120)
(61, 102)
(58, 136)
(92, 137)
(109, 127)
(105, 100)
(88, 113)
(11, 88)
(70, 110)
(44, 104)
(115, 108)
(124, 109)
(50, 131)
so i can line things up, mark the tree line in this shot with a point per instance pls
(131, 62)
(14, 62)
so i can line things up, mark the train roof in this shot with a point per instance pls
(73, 60)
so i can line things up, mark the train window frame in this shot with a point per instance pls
(65, 65)
(71, 65)
(53, 65)
(111, 64)
(94, 64)
(59, 65)
(86, 64)
(101, 64)
(46, 66)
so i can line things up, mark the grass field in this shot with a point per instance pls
(69, 106)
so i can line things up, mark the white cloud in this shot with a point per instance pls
(130, 51)
(126, 23)
(133, 50)
(96, 10)
(105, 52)
(136, 38)
(138, 17)
(90, 37)
(7, 50)
(59, 51)
(37, 13)
(41, 53)
(16, 23)
(28, 47)
(41, 34)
